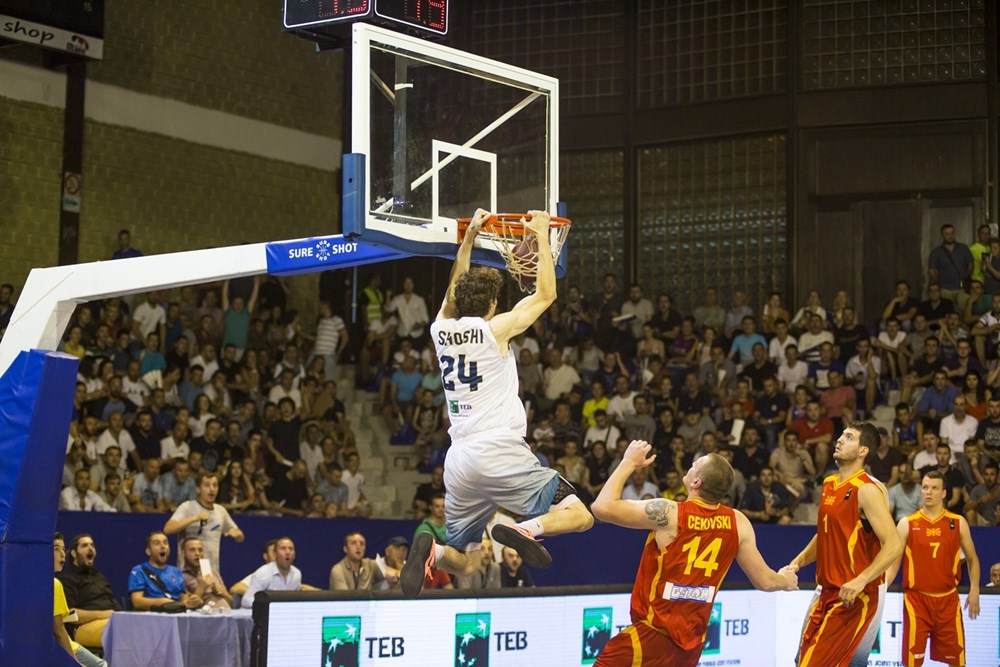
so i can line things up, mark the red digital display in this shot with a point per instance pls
(423, 15)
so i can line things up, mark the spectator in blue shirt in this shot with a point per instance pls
(125, 249)
(156, 583)
(937, 402)
(742, 347)
(949, 264)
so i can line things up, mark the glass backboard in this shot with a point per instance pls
(444, 132)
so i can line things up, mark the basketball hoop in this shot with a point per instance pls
(517, 244)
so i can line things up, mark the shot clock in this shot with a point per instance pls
(420, 15)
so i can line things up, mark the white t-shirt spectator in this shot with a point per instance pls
(793, 376)
(124, 442)
(857, 369)
(608, 436)
(412, 314)
(620, 406)
(135, 391)
(559, 382)
(149, 317)
(955, 434)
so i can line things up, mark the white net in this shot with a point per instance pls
(519, 247)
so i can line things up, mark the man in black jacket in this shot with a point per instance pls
(88, 592)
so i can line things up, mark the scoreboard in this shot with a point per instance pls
(420, 15)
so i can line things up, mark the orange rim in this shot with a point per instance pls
(508, 224)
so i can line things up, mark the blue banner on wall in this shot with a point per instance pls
(320, 253)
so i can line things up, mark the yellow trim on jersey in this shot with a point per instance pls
(853, 479)
(853, 542)
(804, 662)
(864, 613)
(910, 574)
(960, 633)
(912, 616)
(656, 580)
(633, 635)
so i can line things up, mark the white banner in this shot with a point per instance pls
(50, 37)
(747, 629)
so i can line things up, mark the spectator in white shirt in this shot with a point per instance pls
(79, 497)
(958, 427)
(622, 403)
(411, 311)
(782, 339)
(793, 372)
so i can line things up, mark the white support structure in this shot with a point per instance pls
(50, 295)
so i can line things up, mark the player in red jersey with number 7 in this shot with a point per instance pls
(855, 543)
(933, 542)
(489, 466)
(690, 547)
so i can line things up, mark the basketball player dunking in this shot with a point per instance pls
(489, 465)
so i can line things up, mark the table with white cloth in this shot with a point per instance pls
(141, 639)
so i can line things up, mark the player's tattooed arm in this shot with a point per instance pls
(658, 511)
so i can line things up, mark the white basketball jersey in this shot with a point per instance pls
(480, 385)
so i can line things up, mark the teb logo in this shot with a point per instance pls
(472, 640)
(341, 641)
(453, 407)
(713, 635)
(596, 630)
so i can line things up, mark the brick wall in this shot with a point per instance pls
(228, 55)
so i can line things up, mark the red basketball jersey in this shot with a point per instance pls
(932, 558)
(845, 545)
(676, 586)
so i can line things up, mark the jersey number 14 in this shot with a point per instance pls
(468, 372)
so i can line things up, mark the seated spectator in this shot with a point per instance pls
(290, 491)
(958, 427)
(278, 575)
(773, 313)
(61, 611)
(717, 376)
(88, 592)
(988, 432)
(986, 331)
(111, 462)
(950, 334)
(884, 466)
(434, 523)
(750, 457)
(639, 486)
(317, 507)
(355, 572)
(759, 368)
(145, 437)
(709, 313)
(902, 306)
(962, 363)
(862, 373)
(113, 494)
(397, 407)
(971, 463)
(487, 577)
(79, 497)
(603, 431)
(513, 573)
(793, 373)
(815, 432)
(693, 398)
(913, 345)
(770, 412)
(929, 362)
(178, 486)
(156, 582)
(782, 339)
(981, 510)
(598, 467)
(978, 304)
(174, 447)
(240, 587)
(765, 501)
(848, 334)
(818, 378)
(208, 587)
(236, 492)
(812, 340)
(639, 425)
(741, 350)
(905, 430)
(693, 427)
(286, 388)
(839, 402)
(283, 438)
(905, 498)
(994, 575)
(935, 308)
(804, 315)
(737, 489)
(115, 435)
(976, 395)
(672, 485)
(147, 493)
(204, 518)
(427, 491)
(937, 402)
(793, 466)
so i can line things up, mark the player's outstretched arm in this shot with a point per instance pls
(903, 530)
(507, 325)
(872, 501)
(972, 560)
(805, 557)
(655, 514)
(760, 575)
(463, 258)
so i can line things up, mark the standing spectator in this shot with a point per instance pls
(203, 518)
(289, 493)
(950, 264)
(980, 251)
(608, 334)
(125, 249)
(411, 311)
(666, 321)
(236, 316)
(354, 479)
(991, 268)
(639, 307)
(710, 313)
(332, 338)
